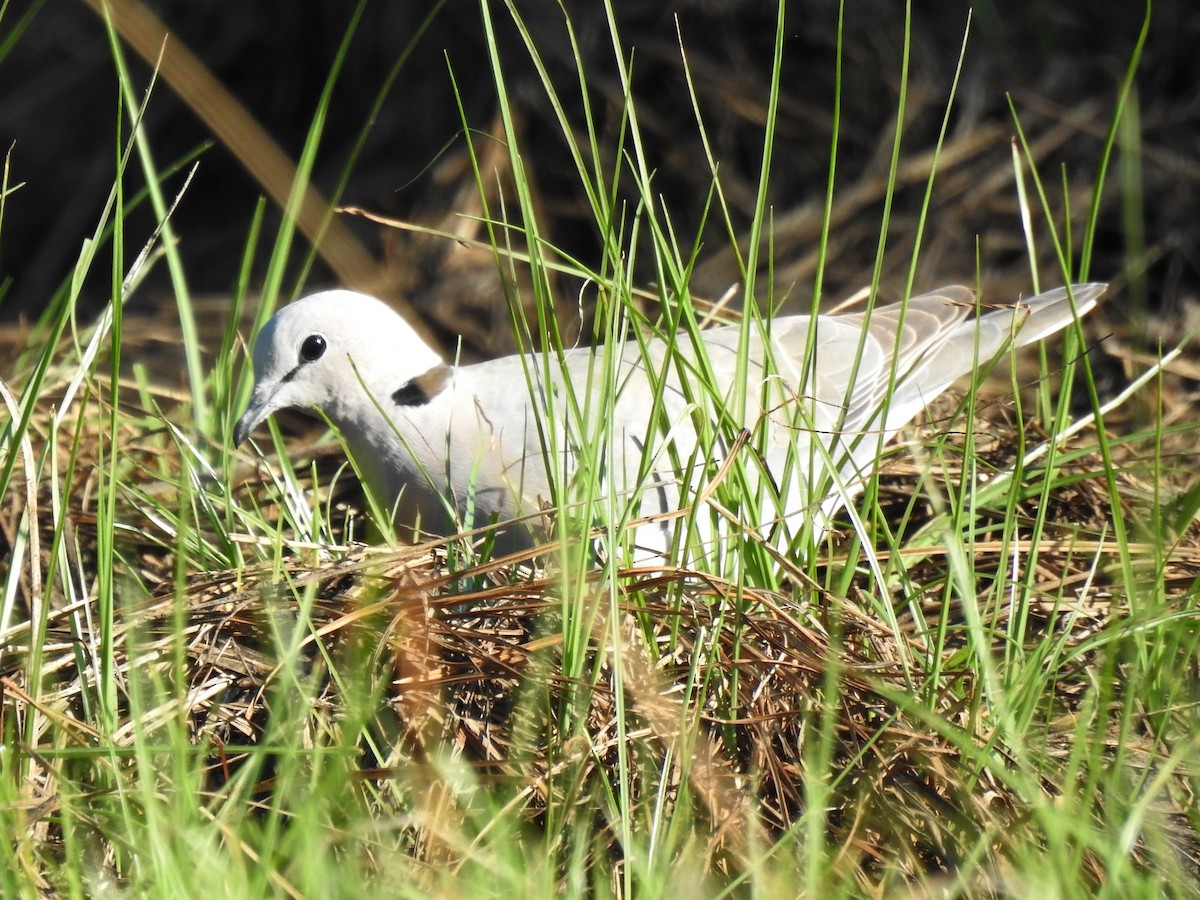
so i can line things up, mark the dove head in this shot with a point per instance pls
(331, 352)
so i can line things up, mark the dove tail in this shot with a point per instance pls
(956, 353)
(1034, 319)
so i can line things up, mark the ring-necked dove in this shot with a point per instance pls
(468, 445)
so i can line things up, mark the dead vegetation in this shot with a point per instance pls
(726, 695)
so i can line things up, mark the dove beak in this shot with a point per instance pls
(262, 404)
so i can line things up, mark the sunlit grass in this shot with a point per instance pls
(982, 685)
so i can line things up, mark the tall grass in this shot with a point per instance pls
(205, 694)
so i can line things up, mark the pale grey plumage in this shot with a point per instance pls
(470, 434)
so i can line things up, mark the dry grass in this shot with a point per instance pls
(761, 719)
(726, 711)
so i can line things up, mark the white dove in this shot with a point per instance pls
(465, 446)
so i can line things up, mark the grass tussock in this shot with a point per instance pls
(219, 678)
(442, 698)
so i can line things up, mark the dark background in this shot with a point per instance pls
(1062, 68)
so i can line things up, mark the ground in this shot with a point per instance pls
(938, 717)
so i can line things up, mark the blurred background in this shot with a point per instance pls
(1061, 65)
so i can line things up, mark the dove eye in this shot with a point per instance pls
(312, 349)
